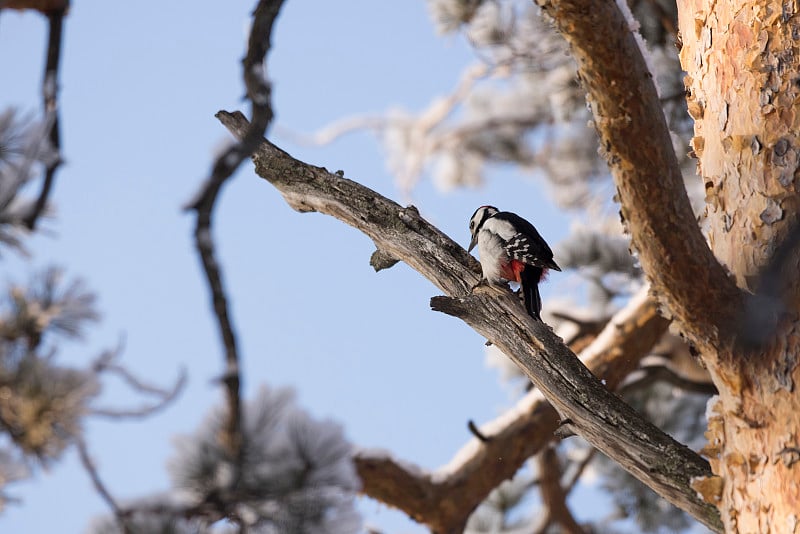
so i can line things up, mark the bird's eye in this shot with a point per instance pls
(472, 224)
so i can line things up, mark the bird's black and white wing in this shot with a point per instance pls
(522, 241)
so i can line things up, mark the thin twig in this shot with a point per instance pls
(165, 396)
(473, 428)
(259, 92)
(335, 130)
(50, 96)
(660, 373)
(131, 413)
(107, 362)
(143, 387)
(101, 488)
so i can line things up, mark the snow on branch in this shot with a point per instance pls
(297, 475)
(584, 403)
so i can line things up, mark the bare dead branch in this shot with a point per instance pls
(140, 386)
(517, 435)
(598, 416)
(55, 18)
(259, 92)
(634, 136)
(601, 418)
(101, 488)
(397, 231)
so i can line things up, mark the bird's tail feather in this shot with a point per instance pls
(529, 286)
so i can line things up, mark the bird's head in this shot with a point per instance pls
(477, 220)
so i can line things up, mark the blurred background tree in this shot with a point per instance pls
(265, 465)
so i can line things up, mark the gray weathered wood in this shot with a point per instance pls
(596, 414)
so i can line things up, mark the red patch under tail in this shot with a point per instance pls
(512, 271)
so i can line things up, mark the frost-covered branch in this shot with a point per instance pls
(43, 405)
(412, 140)
(599, 416)
(46, 306)
(297, 475)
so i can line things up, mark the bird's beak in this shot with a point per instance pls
(473, 243)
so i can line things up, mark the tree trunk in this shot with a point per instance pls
(742, 64)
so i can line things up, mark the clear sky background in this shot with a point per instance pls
(140, 83)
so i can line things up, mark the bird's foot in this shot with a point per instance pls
(483, 282)
(487, 287)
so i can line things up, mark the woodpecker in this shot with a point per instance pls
(511, 250)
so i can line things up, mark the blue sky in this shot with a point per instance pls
(140, 83)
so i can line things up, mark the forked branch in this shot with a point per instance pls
(654, 204)
(512, 438)
(599, 416)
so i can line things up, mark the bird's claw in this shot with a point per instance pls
(483, 282)
(486, 287)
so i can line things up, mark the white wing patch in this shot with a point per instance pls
(504, 229)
